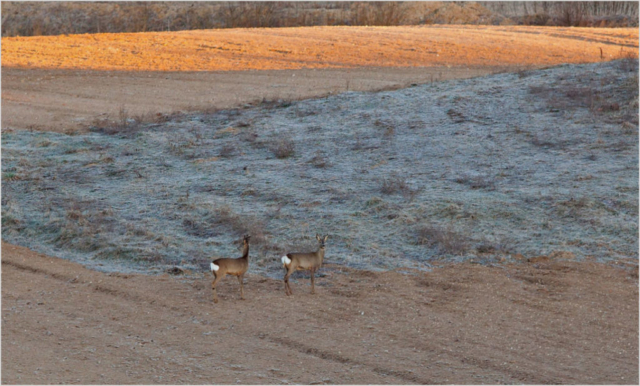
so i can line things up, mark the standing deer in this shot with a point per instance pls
(236, 267)
(310, 261)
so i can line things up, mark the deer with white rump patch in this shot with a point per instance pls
(310, 261)
(235, 267)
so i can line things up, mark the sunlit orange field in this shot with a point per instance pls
(320, 47)
(63, 83)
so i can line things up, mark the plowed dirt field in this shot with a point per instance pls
(545, 322)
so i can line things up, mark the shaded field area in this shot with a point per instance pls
(549, 322)
(508, 166)
(65, 83)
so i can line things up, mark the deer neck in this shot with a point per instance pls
(245, 252)
(320, 254)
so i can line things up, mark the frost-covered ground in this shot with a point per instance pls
(485, 168)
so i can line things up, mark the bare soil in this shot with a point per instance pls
(550, 321)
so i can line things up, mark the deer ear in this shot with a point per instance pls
(326, 237)
(317, 237)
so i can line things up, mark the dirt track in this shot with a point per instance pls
(545, 322)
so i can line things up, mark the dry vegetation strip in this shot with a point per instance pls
(319, 47)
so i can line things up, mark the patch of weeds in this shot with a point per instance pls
(476, 182)
(539, 141)
(44, 143)
(240, 224)
(182, 149)
(229, 150)
(389, 132)
(629, 128)
(503, 245)
(198, 228)
(319, 161)
(122, 124)
(394, 185)
(249, 136)
(283, 148)
(73, 150)
(456, 117)
(373, 202)
(524, 73)
(445, 239)
(622, 145)
(591, 157)
(122, 253)
(359, 143)
(8, 221)
(415, 124)
(243, 124)
(301, 113)
(275, 104)
(133, 230)
(112, 172)
(628, 62)
(574, 207)
(10, 176)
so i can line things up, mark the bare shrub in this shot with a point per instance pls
(283, 148)
(446, 239)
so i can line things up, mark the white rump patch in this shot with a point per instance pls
(285, 260)
(214, 267)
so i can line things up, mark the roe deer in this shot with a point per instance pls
(310, 261)
(236, 267)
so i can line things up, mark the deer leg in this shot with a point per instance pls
(213, 287)
(287, 286)
(313, 287)
(240, 279)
